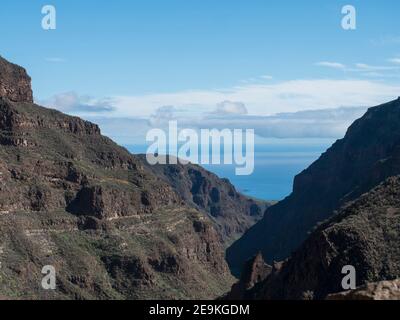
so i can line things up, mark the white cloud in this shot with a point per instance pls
(334, 65)
(367, 67)
(71, 102)
(163, 115)
(267, 77)
(363, 69)
(231, 108)
(395, 60)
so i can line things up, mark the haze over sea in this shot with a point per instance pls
(277, 162)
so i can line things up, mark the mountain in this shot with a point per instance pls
(364, 234)
(365, 157)
(112, 226)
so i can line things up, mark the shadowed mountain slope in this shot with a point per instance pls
(365, 157)
(364, 234)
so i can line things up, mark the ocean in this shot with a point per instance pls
(276, 165)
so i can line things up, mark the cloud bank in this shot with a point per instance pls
(322, 108)
(71, 102)
(321, 124)
(264, 99)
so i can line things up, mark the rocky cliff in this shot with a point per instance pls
(15, 84)
(113, 227)
(368, 154)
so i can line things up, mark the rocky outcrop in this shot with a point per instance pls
(15, 84)
(385, 290)
(364, 234)
(254, 271)
(368, 154)
(22, 120)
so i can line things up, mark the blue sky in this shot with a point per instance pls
(132, 47)
(131, 59)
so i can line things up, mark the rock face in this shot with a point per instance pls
(254, 271)
(385, 290)
(15, 84)
(113, 227)
(369, 153)
(364, 234)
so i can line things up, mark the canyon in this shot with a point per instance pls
(114, 226)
